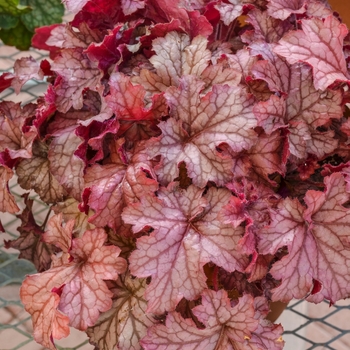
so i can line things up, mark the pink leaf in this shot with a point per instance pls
(317, 36)
(229, 12)
(317, 242)
(266, 28)
(271, 113)
(106, 198)
(131, 6)
(64, 36)
(74, 6)
(85, 295)
(48, 322)
(282, 9)
(25, 69)
(188, 234)
(269, 154)
(316, 8)
(128, 102)
(77, 73)
(72, 290)
(175, 57)
(227, 327)
(14, 137)
(273, 69)
(224, 115)
(303, 110)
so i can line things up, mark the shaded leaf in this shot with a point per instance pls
(126, 322)
(29, 242)
(34, 173)
(70, 211)
(7, 200)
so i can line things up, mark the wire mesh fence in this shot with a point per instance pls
(307, 326)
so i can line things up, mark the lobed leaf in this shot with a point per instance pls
(127, 321)
(34, 173)
(223, 115)
(64, 165)
(29, 242)
(72, 290)
(316, 234)
(187, 234)
(282, 9)
(319, 44)
(77, 73)
(14, 137)
(227, 327)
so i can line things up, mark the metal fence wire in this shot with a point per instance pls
(307, 326)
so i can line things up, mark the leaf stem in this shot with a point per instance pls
(46, 218)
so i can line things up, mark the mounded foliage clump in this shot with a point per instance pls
(195, 158)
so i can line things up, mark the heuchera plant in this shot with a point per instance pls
(195, 156)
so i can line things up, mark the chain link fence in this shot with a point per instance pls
(307, 326)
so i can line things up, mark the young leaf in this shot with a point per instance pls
(129, 104)
(57, 234)
(25, 69)
(70, 211)
(187, 234)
